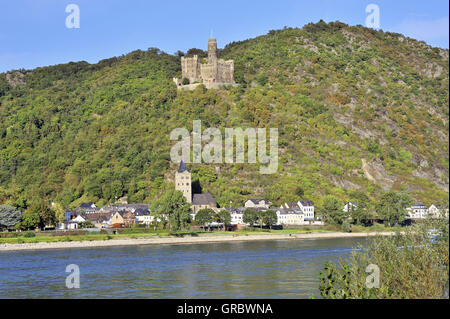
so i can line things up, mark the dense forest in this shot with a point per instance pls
(358, 111)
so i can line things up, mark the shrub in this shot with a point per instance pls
(29, 234)
(346, 227)
(413, 264)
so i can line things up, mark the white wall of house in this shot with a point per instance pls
(434, 212)
(308, 210)
(417, 212)
(237, 218)
(290, 219)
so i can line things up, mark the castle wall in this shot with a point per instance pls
(190, 68)
(215, 71)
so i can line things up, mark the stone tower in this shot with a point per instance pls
(212, 51)
(183, 181)
(213, 74)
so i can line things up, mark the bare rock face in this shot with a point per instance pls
(376, 172)
(15, 78)
(343, 183)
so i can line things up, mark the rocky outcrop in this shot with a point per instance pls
(376, 172)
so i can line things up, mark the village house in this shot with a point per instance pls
(237, 215)
(290, 217)
(203, 201)
(141, 214)
(306, 206)
(183, 184)
(434, 212)
(257, 203)
(350, 206)
(98, 219)
(88, 208)
(417, 211)
(123, 219)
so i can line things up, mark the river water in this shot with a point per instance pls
(259, 269)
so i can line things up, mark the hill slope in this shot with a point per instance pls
(355, 109)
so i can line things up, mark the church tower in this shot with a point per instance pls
(183, 181)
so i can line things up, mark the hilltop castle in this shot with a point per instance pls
(213, 74)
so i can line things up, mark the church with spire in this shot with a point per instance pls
(183, 183)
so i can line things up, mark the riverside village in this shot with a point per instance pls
(204, 211)
(288, 215)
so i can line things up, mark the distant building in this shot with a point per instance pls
(141, 215)
(203, 201)
(99, 219)
(434, 212)
(125, 218)
(417, 211)
(257, 203)
(307, 207)
(350, 206)
(290, 217)
(183, 181)
(88, 208)
(237, 215)
(212, 74)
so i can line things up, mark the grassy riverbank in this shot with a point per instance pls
(43, 237)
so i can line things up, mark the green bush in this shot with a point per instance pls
(346, 227)
(29, 234)
(413, 264)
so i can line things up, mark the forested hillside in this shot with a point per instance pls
(357, 110)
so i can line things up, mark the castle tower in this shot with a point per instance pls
(212, 51)
(183, 181)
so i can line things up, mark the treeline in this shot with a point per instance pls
(337, 94)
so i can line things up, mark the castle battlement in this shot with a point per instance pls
(214, 73)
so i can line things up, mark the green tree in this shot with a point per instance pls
(30, 219)
(392, 206)
(59, 212)
(38, 215)
(174, 206)
(270, 218)
(332, 210)
(205, 216)
(223, 217)
(9, 216)
(250, 217)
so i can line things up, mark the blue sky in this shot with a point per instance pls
(33, 32)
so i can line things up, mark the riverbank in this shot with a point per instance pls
(181, 240)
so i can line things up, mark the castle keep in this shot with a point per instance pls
(212, 74)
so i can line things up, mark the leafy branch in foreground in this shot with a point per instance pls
(412, 265)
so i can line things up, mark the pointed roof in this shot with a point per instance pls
(182, 167)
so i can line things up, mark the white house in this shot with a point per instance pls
(350, 206)
(257, 203)
(141, 214)
(237, 218)
(417, 211)
(434, 212)
(286, 216)
(307, 208)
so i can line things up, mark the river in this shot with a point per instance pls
(258, 269)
